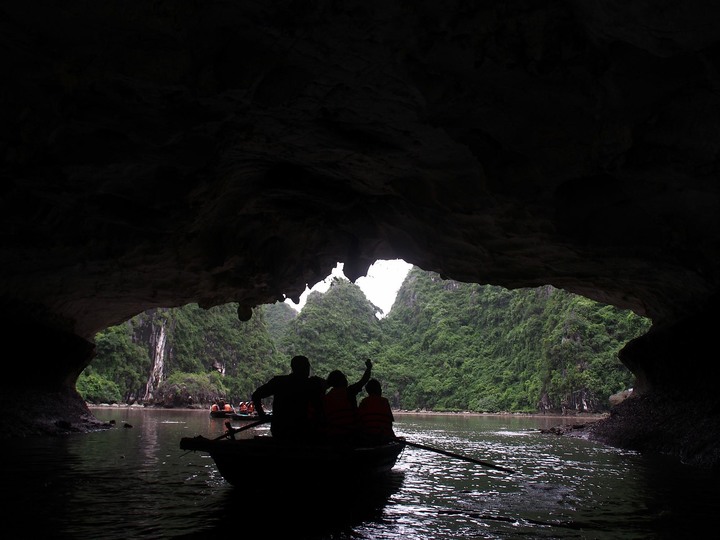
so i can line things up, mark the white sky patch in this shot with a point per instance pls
(380, 285)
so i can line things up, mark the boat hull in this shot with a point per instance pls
(262, 459)
(240, 417)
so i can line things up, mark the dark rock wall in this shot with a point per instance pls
(156, 154)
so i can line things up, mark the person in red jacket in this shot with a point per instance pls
(340, 406)
(375, 415)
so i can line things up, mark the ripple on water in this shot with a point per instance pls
(136, 483)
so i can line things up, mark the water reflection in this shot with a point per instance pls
(329, 509)
(37, 490)
(137, 483)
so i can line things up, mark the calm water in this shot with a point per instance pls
(136, 483)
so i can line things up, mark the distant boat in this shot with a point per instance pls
(248, 462)
(221, 413)
(244, 417)
(249, 417)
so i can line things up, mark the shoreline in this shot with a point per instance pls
(398, 412)
(597, 416)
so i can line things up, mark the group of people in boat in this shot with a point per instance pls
(245, 407)
(315, 408)
(222, 406)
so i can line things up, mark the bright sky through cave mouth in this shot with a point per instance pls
(380, 285)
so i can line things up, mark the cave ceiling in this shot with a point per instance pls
(162, 153)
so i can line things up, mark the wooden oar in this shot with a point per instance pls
(458, 456)
(231, 431)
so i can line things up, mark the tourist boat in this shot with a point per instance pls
(245, 417)
(221, 414)
(262, 459)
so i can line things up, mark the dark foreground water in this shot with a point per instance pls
(136, 483)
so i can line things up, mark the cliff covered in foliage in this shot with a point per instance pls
(445, 346)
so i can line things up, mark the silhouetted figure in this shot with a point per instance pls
(291, 397)
(340, 405)
(316, 409)
(375, 415)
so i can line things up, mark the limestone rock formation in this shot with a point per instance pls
(156, 154)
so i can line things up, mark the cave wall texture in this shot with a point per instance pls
(161, 153)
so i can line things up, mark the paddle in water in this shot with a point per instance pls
(458, 456)
(231, 431)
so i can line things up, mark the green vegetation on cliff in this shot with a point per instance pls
(444, 346)
(459, 346)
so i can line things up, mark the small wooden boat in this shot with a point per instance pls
(263, 459)
(245, 417)
(221, 414)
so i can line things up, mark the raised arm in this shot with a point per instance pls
(355, 389)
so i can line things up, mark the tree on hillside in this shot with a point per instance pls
(121, 360)
(278, 317)
(335, 330)
(199, 341)
(485, 348)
